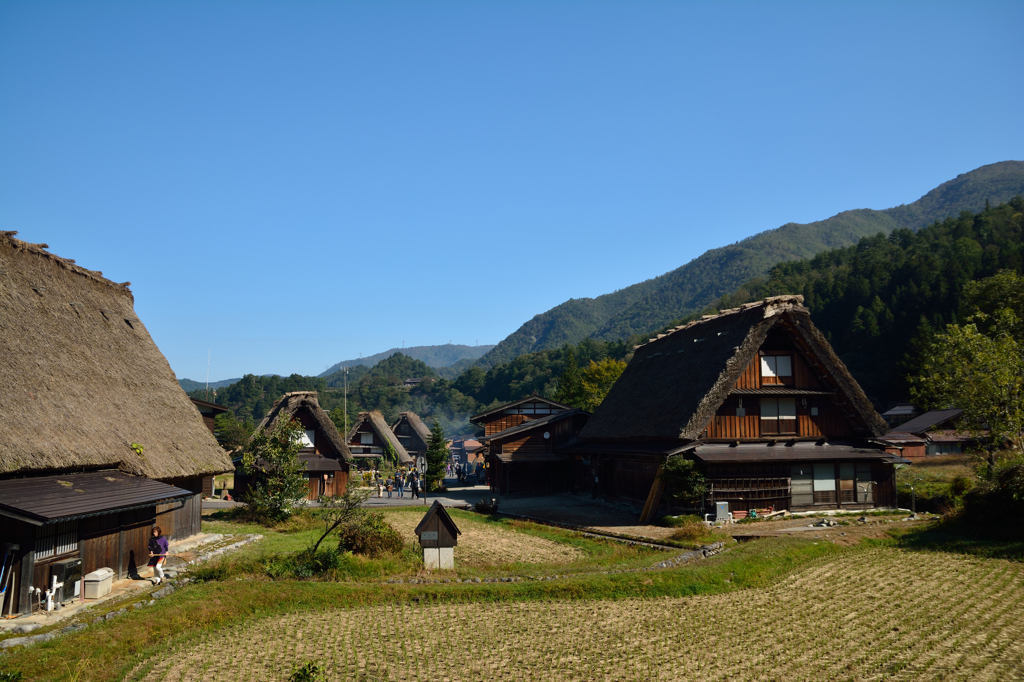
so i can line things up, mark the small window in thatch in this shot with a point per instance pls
(129, 323)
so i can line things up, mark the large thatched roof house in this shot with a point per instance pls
(759, 399)
(324, 453)
(371, 436)
(412, 433)
(97, 440)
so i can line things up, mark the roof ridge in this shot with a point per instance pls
(773, 305)
(66, 263)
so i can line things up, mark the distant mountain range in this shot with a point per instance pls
(652, 304)
(189, 385)
(444, 355)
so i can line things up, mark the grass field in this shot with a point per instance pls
(861, 615)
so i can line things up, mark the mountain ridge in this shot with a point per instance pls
(439, 356)
(655, 302)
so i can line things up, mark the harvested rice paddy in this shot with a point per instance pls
(486, 544)
(866, 614)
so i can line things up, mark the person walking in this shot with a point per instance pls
(414, 487)
(158, 553)
(388, 484)
(400, 483)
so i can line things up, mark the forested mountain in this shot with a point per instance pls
(381, 387)
(649, 305)
(879, 300)
(444, 355)
(190, 385)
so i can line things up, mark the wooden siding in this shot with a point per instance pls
(829, 422)
(803, 377)
(500, 422)
(631, 478)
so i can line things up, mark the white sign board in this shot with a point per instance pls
(421, 464)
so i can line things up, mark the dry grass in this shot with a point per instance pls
(862, 615)
(484, 544)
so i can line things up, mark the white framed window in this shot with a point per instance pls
(366, 439)
(776, 366)
(307, 439)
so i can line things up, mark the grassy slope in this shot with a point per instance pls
(650, 305)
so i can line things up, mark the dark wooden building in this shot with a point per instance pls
(938, 429)
(532, 457)
(97, 440)
(520, 441)
(412, 433)
(370, 437)
(759, 399)
(326, 458)
(515, 413)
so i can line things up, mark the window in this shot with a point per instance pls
(776, 369)
(778, 416)
(307, 439)
(55, 539)
(366, 439)
(825, 483)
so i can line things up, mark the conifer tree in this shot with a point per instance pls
(570, 389)
(437, 457)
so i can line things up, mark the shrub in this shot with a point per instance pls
(679, 521)
(684, 482)
(11, 676)
(369, 535)
(689, 529)
(209, 572)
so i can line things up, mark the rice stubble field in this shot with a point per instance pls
(858, 614)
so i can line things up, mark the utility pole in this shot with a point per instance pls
(345, 377)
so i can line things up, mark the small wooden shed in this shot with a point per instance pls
(438, 536)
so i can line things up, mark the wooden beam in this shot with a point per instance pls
(653, 497)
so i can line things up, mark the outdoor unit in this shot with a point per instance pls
(721, 511)
(68, 572)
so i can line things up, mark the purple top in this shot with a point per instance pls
(158, 545)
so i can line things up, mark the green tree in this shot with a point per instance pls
(597, 379)
(437, 457)
(272, 456)
(232, 433)
(684, 482)
(389, 452)
(982, 375)
(570, 383)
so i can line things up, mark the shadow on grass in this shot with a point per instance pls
(958, 537)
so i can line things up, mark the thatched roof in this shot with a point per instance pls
(417, 425)
(82, 380)
(292, 404)
(376, 422)
(676, 382)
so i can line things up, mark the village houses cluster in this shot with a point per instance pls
(98, 443)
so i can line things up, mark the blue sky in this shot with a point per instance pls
(290, 184)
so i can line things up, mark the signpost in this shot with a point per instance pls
(421, 465)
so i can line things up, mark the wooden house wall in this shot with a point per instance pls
(500, 422)
(627, 477)
(749, 486)
(509, 478)
(179, 521)
(829, 422)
